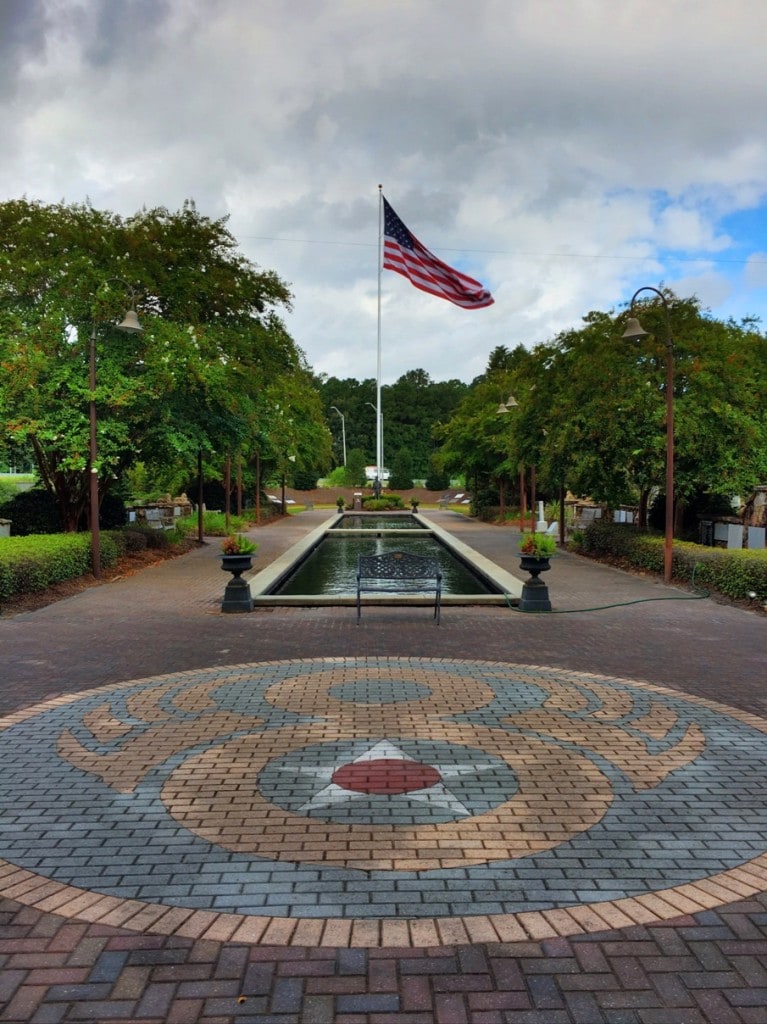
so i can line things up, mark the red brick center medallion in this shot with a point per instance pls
(386, 776)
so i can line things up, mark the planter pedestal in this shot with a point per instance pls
(535, 593)
(237, 596)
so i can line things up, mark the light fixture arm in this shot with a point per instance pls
(664, 301)
(343, 429)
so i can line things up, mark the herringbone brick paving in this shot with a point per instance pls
(709, 966)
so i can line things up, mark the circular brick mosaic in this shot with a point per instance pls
(381, 789)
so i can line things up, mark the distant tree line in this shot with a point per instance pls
(413, 408)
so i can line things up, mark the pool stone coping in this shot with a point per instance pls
(509, 586)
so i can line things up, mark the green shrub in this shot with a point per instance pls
(8, 491)
(484, 504)
(33, 563)
(112, 547)
(156, 540)
(213, 525)
(402, 470)
(336, 478)
(32, 512)
(386, 503)
(112, 514)
(732, 573)
(136, 538)
(436, 479)
(576, 540)
(605, 538)
(305, 479)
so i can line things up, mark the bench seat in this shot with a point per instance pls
(399, 571)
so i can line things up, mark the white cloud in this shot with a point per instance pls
(558, 150)
(711, 287)
(756, 270)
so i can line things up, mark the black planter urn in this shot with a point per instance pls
(237, 596)
(535, 593)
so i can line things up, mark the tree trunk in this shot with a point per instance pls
(68, 489)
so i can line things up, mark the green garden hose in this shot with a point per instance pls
(698, 596)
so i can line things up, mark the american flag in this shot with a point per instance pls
(404, 254)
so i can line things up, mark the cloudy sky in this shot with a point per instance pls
(563, 152)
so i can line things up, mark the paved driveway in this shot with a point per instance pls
(285, 817)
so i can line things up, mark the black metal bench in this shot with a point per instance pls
(398, 571)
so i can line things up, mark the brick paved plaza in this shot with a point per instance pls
(286, 817)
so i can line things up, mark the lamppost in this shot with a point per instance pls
(130, 324)
(343, 429)
(379, 453)
(633, 332)
(503, 408)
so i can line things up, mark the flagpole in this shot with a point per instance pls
(379, 438)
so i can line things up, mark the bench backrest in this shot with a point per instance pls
(397, 565)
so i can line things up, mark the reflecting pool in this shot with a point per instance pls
(331, 567)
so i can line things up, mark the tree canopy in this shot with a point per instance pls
(591, 409)
(208, 372)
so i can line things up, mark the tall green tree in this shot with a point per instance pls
(481, 443)
(355, 468)
(402, 471)
(593, 406)
(591, 410)
(193, 381)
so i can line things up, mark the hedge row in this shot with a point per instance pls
(34, 563)
(735, 573)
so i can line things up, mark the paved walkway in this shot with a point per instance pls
(284, 817)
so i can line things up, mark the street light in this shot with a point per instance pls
(379, 453)
(633, 332)
(343, 429)
(503, 408)
(130, 324)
